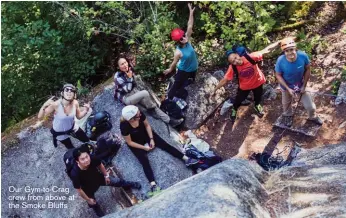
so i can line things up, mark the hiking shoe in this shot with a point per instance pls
(233, 114)
(174, 122)
(259, 110)
(191, 161)
(288, 121)
(316, 120)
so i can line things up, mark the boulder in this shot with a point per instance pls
(341, 98)
(313, 186)
(201, 103)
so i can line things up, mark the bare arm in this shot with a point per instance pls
(80, 114)
(269, 48)
(307, 74)
(177, 56)
(47, 108)
(148, 128)
(190, 22)
(283, 83)
(131, 143)
(85, 197)
(103, 170)
(221, 84)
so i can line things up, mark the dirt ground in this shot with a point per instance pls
(251, 134)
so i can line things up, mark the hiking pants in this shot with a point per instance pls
(242, 94)
(306, 99)
(181, 80)
(79, 134)
(143, 97)
(115, 182)
(142, 155)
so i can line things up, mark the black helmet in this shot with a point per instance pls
(101, 117)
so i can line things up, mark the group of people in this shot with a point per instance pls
(292, 72)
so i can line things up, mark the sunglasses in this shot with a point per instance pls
(69, 90)
(182, 38)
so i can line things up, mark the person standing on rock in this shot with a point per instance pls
(141, 139)
(125, 92)
(293, 71)
(88, 174)
(249, 75)
(65, 110)
(184, 56)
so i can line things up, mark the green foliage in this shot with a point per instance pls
(244, 22)
(308, 44)
(336, 83)
(300, 9)
(43, 46)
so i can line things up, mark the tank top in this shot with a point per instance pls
(63, 122)
(188, 62)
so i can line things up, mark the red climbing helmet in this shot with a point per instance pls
(176, 34)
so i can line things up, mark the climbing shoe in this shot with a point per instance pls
(154, 190)
(259, 110)
(316, 120)
(288, 121)
(191, 161)
(233, 114)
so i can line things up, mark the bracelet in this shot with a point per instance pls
(107, 176)
(151, 138)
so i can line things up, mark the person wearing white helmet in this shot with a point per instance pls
(292, 71)
(127, 93)
(141, 139)
(65, 110)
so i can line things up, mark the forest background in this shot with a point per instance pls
(47, 44)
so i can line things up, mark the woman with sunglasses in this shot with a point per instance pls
(141, 139)
(65, 110)
(186, 55)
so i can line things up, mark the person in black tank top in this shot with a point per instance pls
(141, 139)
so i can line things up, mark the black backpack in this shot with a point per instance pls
(107, 148)
(205, 160)
(97, 124)
(172, 109)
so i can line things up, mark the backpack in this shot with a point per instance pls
(107, 148)
(171, 108)
(205, 160)
(97, 124)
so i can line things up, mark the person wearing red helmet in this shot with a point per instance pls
(184, 56)
(292, 71)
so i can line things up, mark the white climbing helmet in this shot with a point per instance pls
(129, 112)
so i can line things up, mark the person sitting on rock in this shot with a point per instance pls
(88, 174)
(186, 55)
(141, 139)
(65, 111)
(125, 91)
(249, 75)
(292, 71)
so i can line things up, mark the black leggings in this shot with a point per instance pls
(181, 79)
(142, 155)
(242, 94)
(80, 135)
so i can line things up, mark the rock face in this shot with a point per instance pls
(34, 162)
(341, 94)
(314, 186)
(229, 189)
(200, 101)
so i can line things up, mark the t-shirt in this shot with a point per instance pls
(139, 134)
(88, 180)
(292, 72)
(250, 76)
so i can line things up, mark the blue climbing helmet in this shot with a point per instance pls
(237, 49)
